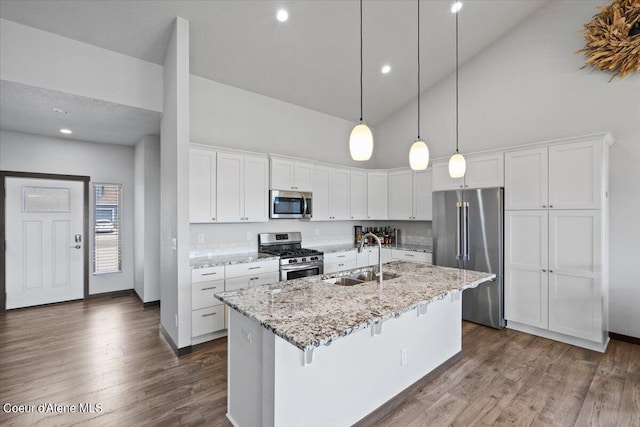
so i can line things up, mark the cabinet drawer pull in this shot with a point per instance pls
(213, 219)
(544, 271)
(208, 274)
(255, 268)
(209, 314)
(210, 288)
(550, 271)
(340, 265)
(544, 206)
(551, 206)
(409, 255)
(341, 256)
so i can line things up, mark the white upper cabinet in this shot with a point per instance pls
(320, 201)
(575, 176)
(422, 195)
(377, 195)
(401, 195)
(330, 194)
(256, 189)
(441, 179)
(358, 194)
(563, 176)
(410, 195)
(202, 186)
(483, 171)
(288, 174)
(339, 194)
(526, 179)
(242, 188)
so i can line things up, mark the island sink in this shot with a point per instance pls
(359, 278)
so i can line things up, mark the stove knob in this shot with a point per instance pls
(303, 260)
(314, 258)
(291, 261)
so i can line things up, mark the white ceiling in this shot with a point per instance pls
(312, 60)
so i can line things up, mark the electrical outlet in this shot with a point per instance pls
(200, 238)
(403, 356)
(174, 243)
(249, 235)
(247, 335)
(176, 320)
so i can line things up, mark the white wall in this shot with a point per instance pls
(175, 279)
(66, 65)
(104, 163)
(529, 87)
(230, 117)
(147, 218)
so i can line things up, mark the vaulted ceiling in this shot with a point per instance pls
(311, 60)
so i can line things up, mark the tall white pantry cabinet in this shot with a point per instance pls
(556, 240)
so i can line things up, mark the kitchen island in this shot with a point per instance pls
(308, 352)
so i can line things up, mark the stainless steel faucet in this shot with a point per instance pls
(364, 238)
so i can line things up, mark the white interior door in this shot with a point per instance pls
(44, 223)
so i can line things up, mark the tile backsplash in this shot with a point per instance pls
(224, 239)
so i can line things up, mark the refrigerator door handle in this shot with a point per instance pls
(465, 225)
(459, 231)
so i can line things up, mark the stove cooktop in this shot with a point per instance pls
(292, 252)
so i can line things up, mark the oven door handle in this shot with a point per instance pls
(290, 267)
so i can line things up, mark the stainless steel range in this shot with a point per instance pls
(295, 261)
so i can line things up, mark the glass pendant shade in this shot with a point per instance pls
(419, 155)
(457, 166)
(361, 142)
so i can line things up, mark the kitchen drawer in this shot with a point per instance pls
(242, 282)
(411, 256)
(332, 267)
(208, 274)
(207, 320)
(252, 268)
(202, 294)
(335, 257)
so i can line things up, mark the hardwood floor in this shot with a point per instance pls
(109, 351)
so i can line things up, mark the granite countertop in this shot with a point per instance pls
(343, 247)
(308, 312)
(216, 261)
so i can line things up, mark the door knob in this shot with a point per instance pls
(76, 247)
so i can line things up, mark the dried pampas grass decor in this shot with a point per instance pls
(613, 38)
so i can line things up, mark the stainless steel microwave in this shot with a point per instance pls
(290, 204)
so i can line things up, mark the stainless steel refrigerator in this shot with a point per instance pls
(468, 230)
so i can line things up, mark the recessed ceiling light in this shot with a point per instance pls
(455, 8)
(65, 131)
(385, 69)
(57, 110)
(282, 15)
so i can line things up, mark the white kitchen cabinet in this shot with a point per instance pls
(331, 194)
(368, 257)
(526, 280)
(202, 186)
(575, 274)
(242, 188)
(243, 282)
(289, 174)
(358, 194)
(252, 269)
(207, 315)
(563, 176)
(401, 195)
(320, 202)
(340, 261)
(410, 256)
(410, 195)
(556, 254)
(377, 195)
(422, 195)
(483, 171)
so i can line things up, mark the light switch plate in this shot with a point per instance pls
(174, 243)
(200, 238)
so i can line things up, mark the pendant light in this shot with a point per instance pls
(361, 139)
(457, 163)
(419, 152)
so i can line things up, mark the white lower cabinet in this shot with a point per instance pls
(410, 256)
(208, 314)
(554, 275)
(340, 261)
(207, 320)
(368, 256)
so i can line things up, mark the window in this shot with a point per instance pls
(107, 248)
